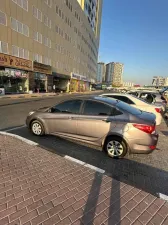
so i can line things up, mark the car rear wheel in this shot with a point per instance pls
(37, 128)
(115, 147)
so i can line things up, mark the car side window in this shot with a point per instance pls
(96, 109)
(72, 107)
(116, 112)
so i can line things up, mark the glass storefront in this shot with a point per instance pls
(14, 80)
(40, 82)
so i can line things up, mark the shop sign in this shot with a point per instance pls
(79, 77)
(15, 73)
(2, 91)
(83, 78)
(42, 68)
(75, 76)
(12, 61)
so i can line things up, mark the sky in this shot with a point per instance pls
(135, 32)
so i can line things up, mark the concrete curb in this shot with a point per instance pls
(20, 96)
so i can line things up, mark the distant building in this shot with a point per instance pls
(166, 81)
(101, 70)
(114, 73)
(158, 81)
(128, 84)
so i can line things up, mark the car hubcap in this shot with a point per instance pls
(36, 128)
(114, 148)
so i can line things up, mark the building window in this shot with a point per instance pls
(37, 57)
(37, 13)
(57, 9)
(20, 52)
(57, 29)
(47, 42)
(37, 37)
(3, 47)
(19, 27)
(3, 19)
(22, 3)
(47, 21)
(25, 30)
(68, 4)
(48, 2)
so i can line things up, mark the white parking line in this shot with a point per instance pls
(162, 196)
(84, 164)
(74, 160)
(15, 128)
(94, 168)
(20, 138)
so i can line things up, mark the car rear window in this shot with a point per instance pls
(130, 109)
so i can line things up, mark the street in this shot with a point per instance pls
(146, 172)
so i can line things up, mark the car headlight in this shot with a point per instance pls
(30, 113)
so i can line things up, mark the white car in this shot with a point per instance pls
(138, 103)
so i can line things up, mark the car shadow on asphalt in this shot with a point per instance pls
(138, 174)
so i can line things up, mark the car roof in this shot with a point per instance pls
(119, 94)
(95, 97)
(133, 98)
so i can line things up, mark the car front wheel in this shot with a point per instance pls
(115, 147)
(37, 128)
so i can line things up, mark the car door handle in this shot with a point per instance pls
(106, 120)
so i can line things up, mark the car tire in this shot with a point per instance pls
(115, 147)
(37, 128)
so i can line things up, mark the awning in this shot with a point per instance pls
(61, 76)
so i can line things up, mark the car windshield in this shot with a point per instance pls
(130, 109)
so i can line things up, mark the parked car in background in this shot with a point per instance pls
(151, 97)
(138, 103)
(112, 124)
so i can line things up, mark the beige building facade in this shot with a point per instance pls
(58, 39)
(114, 73)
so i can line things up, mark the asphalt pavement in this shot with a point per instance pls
(146, 172)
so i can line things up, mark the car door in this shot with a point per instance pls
(63, 117)
(95, 121)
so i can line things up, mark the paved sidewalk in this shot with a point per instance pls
(40, 187)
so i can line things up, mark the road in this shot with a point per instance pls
(147, 172)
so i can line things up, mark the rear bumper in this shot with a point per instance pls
(143, 146)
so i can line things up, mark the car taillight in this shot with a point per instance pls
(158, 110)
(145, 128)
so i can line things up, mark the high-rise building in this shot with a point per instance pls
(46, 44)
(114, 73)
(101, 70)
(158, 81)
(93, 11)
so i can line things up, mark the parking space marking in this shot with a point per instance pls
(20, 138)
(74, 160)
(84, 164)
(94, 168)
(15, 128)
(162, 196)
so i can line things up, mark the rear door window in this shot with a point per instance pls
(128, 108)
(96, 109)
(72, 107)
